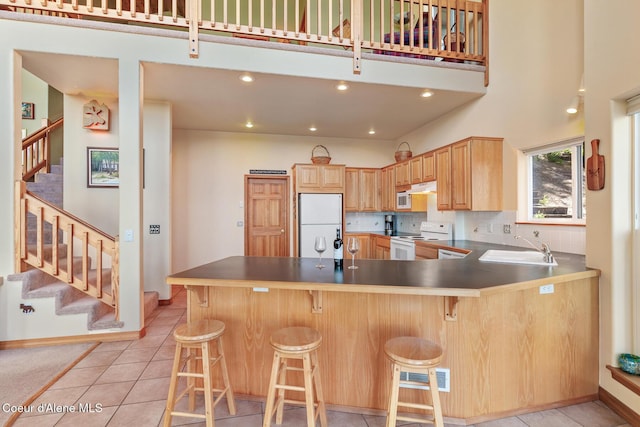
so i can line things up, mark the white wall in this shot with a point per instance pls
(535, 71)
(98, 206)
(157, 197)
(208, 182)
(35, 91)
(611, 76)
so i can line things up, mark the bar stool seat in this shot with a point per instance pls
(299, 343)
(413, 355)
(197, 339)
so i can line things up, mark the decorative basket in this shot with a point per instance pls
(322, 159)
(629, 363)
(402, 155)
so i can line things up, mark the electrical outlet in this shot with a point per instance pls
(506, 228)
(154, 229)
(546, 289)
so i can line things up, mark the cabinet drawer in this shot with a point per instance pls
(426, 252)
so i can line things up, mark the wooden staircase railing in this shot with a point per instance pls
(36, 151)
(78, 236)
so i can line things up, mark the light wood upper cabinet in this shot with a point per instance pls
(370, 190)
(403, 174)
(443, 176)
(319, 178)
(363, 190)
(415, 168)
(428, 166)
(351, 189)
(388, 178)
(474, 178)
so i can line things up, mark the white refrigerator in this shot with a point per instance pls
(318, 215)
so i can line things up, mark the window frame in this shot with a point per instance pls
(634, 114)
(578, 187)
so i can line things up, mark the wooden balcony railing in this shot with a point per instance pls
(59, 235)
(36, 151)
(446, 30)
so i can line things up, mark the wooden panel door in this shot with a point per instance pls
(266, 216)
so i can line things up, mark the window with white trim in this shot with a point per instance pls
(556, 182)
(633, 110)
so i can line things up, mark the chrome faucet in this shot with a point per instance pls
(544, 249)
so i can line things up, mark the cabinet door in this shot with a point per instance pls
(403, 174)
(332, 177)
(388, 189)
(428, 167)
(351, 189)
(461, 175)
(443, 174)
(364, 251)
(416, 170)
(370, 192)
(307, 177)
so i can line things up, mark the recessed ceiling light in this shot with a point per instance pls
(426, 94)
(249, 125)
(313, 128)
(372, 132)
(342, 87)
(246, 78)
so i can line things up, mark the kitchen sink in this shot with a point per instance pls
(515, 257)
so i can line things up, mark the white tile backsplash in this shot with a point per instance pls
(364, 221)
(478, 226)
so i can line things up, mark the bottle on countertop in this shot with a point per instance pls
(338, 251)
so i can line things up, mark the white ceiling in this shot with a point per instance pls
(217, 100)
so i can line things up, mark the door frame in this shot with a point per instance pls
(287, 206)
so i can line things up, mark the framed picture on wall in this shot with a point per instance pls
(103, 167)
(28, 110)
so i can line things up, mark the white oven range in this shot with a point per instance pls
(404, 247)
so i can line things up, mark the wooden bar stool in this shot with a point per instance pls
(195, 338)
(295, 343)
(413, 355)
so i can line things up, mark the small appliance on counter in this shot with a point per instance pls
(389, 224)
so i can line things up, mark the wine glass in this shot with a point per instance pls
(353, 244)
(320, 246)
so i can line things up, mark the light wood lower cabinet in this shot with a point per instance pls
(382, 247)
(365, 246)
(426, 252)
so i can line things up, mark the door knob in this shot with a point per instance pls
(282, 231)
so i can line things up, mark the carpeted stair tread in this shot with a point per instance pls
(108, 321)
(47, 291)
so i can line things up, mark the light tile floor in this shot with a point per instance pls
(130, 380)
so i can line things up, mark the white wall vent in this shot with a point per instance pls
(421, 381)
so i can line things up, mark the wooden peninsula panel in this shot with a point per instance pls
(508, 352)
